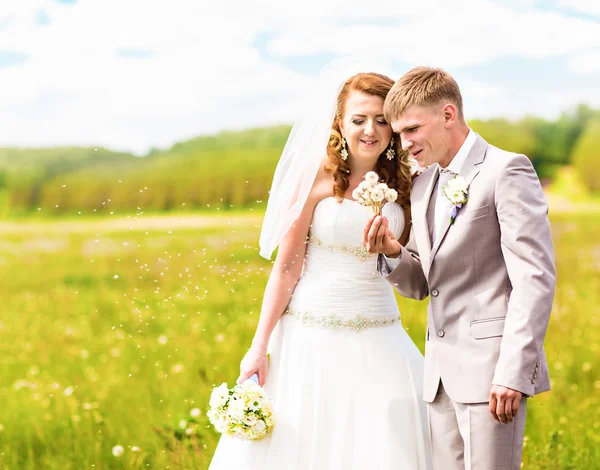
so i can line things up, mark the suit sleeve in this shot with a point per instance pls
(528, 253)
(405, 273)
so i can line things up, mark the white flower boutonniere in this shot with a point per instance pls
(456, 191)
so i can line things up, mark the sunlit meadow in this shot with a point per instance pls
(113, 332)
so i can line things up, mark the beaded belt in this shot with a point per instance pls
(359, 251)
(333, 322)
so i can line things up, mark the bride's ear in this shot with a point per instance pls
(340, 125)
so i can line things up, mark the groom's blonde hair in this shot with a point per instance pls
(422, 86)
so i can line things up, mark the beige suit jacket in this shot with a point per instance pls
(490, 277)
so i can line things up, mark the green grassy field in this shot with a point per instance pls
(112, 331)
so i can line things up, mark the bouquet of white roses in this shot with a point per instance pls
(372, 194)
(242, 411)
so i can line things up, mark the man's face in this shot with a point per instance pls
(423, 133)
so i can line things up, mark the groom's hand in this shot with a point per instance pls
(504, 403)
(378, 238)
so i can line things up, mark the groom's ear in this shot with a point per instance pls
(450, 115)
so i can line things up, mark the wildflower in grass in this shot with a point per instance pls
(118, 451)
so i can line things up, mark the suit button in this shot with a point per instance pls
(441, 333)
(533, 381)
(435, 292)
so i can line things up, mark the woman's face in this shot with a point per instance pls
(363, 126)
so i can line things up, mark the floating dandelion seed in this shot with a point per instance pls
(116, 276)
(118, 451)
(195, 412)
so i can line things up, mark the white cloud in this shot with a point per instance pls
(589, 7)
(449, 36)
(206, 73)
(587, 62)
(201, 58)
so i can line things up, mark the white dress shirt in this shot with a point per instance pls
(442, 205)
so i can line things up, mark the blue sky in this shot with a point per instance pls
(147, 73)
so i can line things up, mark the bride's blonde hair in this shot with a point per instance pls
(397, 172)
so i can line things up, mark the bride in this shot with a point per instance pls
(344, 376)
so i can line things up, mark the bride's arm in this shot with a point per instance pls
(282, 281)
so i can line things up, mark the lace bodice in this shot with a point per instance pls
(339, 277)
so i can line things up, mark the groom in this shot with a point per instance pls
(481, 249)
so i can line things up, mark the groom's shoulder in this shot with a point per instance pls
(423, 178)
(497, 159)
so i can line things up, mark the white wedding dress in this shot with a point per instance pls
(344, 377)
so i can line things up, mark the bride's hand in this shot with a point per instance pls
(253, 362)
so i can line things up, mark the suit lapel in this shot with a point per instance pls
(469, 171)
(420, 203)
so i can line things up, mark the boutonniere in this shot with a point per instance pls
(456, 191)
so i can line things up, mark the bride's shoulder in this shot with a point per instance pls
(322, 186)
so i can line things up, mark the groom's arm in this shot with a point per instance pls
(526, 245)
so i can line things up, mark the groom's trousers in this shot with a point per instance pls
(466, 436)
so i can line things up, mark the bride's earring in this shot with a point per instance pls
(344, 151)
(391, 152)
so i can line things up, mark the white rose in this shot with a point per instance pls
(251, 420)
(221, 424)
(219, 396)
(458, 183)
(236, 409)
(453, 196)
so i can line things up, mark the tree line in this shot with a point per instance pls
(235, 169)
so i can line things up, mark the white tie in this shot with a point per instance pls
(442, 204)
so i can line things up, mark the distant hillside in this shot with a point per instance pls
(224, 170)
(230, 168)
